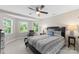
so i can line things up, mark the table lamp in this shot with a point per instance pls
(71, 29)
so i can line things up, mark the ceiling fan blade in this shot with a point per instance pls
(31, 8)
(42, 6)
(43, 12)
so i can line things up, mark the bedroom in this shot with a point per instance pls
(17, 20)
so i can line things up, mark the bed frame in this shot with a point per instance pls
(62, 29)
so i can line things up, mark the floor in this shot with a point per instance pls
(69, 50)
(18, 47)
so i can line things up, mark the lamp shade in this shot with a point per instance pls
(72, 27)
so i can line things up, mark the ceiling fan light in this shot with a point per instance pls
(38, 13)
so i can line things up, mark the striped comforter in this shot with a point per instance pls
(47, 44)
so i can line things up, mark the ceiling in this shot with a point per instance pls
(52, 10)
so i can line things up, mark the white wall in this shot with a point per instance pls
(63, 19)
(16, 34)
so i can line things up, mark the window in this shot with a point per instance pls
(35, 27)
(23, 27)
(8, 25)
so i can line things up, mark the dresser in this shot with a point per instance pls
(2, 46)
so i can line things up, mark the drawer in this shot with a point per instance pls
(2, 44)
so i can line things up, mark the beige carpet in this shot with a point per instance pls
(18, 47)
(69, 50)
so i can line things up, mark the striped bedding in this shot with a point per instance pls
(47, 44)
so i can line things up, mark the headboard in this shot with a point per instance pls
(57, 28)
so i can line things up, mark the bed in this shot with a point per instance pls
(47, 44)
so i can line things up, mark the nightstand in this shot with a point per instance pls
(69, 41)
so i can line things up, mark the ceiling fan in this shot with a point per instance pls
(38, 10)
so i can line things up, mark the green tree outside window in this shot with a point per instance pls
(35, 27)
(23, 27)
(7, 26)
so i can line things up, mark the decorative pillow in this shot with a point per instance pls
(57, 33)
(51, 33)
